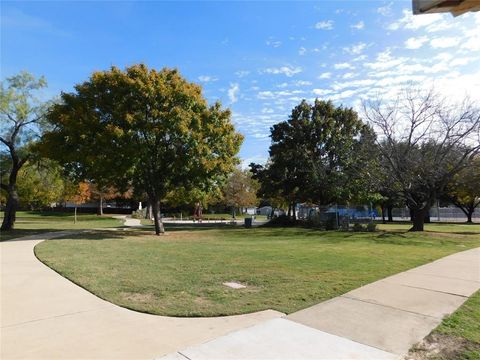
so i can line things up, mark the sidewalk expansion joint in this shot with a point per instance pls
(432, 290)
(48, 318)
(185, 356)
(391, 307)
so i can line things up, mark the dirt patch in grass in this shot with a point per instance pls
(444, 347)
(139, 297)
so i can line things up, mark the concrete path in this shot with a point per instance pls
(128, 220)
(45, 316)
(381, 320)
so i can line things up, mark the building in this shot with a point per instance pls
(455, 7)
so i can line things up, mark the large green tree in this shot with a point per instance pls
(21, 117)
(149, 129)
(321, 154)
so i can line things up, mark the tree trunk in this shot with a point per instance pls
(148, 211)
(383, 215)
(418, 219)
(159, 229)
(469, 216)
(289, 210)
(10, 209)
(294, 212)
(100, 207)
(390, 213)
(75, 215)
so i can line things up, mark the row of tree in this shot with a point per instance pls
(152, 134)
(413, 150)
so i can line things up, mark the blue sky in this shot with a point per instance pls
(258, 58)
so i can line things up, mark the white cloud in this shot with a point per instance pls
(321, 92)
(472, 43)
(265, 95)
(358, 26)
(414, 22)
(288, 71)
(242, 73)
(355, 49)
(384, 61)
(267, 111)
(443, 57)
(233, 92)
(273, 43)
(207, 78)
(343, 66)
(415, 43)
(461, 61)
(325, 75)
(301, 83)
(349, 75)
(324, 25)
(302, 51)
(385, 10)
(444, 42)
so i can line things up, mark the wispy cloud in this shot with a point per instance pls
(324, 25)
(242, 73)
(358, 26)
(288, 71)
(343, 66)
(355, 49)
(415, 43)
(233, 92)
(273, 43)
(325, 75)
(385, 10)
(207, 78)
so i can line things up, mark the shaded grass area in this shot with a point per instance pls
(457, 337)
(32, 222)
(286, 269)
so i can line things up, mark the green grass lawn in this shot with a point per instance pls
(32, 222)
(457, 337)
(285, 269)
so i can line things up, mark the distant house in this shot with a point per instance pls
(455, 7)
(264, 210)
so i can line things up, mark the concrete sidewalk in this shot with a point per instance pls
(381, 320)
(45, 316)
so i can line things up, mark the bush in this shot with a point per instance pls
(315, 222)
(371, 227)
(357, 227)
(282, 220)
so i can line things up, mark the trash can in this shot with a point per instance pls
(248, 222)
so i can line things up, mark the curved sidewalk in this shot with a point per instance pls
(45, 316)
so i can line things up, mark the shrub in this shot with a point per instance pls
(282, 220)
(371, 227)
(357, 227)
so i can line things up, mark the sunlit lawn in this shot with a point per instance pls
(30, 222)
(285, 269)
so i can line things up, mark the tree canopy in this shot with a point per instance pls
(321, 154)
(140, 127)
(425, 141)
